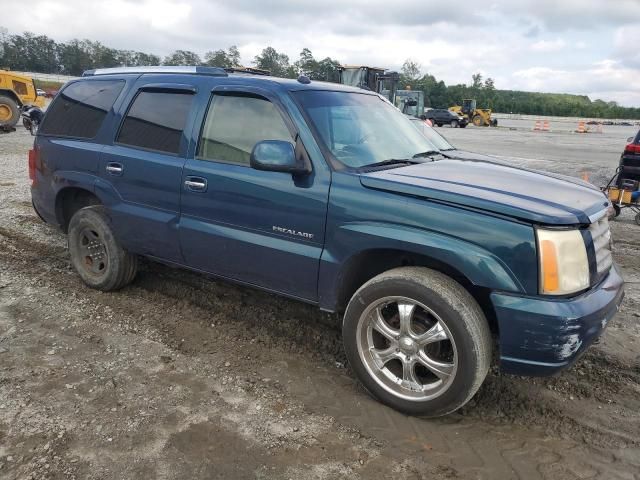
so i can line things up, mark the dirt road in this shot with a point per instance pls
(183, 377)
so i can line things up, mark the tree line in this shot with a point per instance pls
(39, 53)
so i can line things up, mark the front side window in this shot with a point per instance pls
(156, 121)
(19, 87)
(79, 110)
(235, 123)
(362, 129)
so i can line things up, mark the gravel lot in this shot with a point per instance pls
(183, 377)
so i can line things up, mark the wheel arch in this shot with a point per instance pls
(71, 199)
(366, 264)
(12, 95)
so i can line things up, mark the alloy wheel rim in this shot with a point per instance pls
(407, 348)
(93, 253)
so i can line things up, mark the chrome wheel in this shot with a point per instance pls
(407, 348)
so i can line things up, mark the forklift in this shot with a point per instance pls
(385, 83)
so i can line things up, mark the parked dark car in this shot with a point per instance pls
(629, 165)
(442, 116)
(329, 195)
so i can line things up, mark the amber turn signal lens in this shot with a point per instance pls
(550, 279)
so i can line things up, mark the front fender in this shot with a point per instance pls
(481, 267)
(490, 251)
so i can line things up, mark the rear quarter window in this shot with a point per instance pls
(79, 110)
(156, 121)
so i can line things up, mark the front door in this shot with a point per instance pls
(257, 227)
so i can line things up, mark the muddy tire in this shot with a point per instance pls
(96, 254)
(9, 112)
(478, 121)
(417, 341)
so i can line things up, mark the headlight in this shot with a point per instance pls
(564, 266)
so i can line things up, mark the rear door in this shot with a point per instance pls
(142, 168)
(257, 227)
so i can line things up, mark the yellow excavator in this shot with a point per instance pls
(16, 91)
(480, 117)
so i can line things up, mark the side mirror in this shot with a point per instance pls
(630, 140)
(277, 156)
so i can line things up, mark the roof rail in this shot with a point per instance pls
(213, 71)
(250, 70)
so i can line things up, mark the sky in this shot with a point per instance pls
(587, 47)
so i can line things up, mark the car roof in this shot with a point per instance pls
(239, 77)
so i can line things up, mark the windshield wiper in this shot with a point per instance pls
(428, 153)
(391, 161)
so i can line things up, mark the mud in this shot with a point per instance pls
(181, 377)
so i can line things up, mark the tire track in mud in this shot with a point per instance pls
(166, 301)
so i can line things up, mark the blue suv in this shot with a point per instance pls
(328, 194)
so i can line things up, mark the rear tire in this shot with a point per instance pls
(477, 121)
(454, 124)
(9, 112)
(417, 341)
(96, 254)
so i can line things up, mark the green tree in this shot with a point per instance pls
(477, 80)
(217, 58)
(182, 57)
(411, 70)
(274, 62)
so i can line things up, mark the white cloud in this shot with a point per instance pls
(606, 79)
(548, 45)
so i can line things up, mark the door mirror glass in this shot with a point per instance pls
(275, 156)
(630, 140)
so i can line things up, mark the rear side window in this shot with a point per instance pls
(234, 124)
(79, 110)
(156, 121)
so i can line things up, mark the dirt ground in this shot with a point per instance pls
(182, 377)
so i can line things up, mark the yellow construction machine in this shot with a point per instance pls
(16, 91)
(480, 117)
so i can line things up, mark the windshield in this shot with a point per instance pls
(434, 137)
(362, 130)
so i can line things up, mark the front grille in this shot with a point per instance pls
(602, 244)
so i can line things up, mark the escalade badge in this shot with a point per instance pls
(290, 231)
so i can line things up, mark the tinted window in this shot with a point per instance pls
(234, 124)
(156, 121)
(20, 87)
(78, 111)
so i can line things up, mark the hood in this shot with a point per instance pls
(466, 155)
(495, 187)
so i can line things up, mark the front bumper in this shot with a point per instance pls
(541, 336)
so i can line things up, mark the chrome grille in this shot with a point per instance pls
(602, 244)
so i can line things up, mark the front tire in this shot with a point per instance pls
(96, 254)
(454, 124)
(417, 341)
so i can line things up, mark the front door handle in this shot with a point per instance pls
(196, 184)
(114, 168)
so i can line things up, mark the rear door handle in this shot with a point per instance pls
(114, 168)
(196, 184)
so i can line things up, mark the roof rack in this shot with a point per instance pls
(251, 70)
(213, 71)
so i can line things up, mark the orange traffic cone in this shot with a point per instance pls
(536, 128)
(581, 127)
(545, 126)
